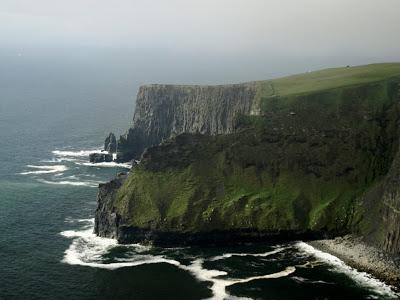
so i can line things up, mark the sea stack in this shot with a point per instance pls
(110, 143)
(106, 155)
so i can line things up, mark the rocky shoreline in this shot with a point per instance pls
(354, 252)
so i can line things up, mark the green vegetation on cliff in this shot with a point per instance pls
(328, 79)
(317, 145)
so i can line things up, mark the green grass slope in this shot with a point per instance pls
(328, 79)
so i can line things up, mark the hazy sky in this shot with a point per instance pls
(231, 40)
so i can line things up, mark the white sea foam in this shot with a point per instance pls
(89, 222)
(87, 249)
(289, 270)
(228, 255)
(45, 169)
(361, 278)
(89, 175)
(106, 164)
(88, 183)
(305, 280)
(80, 153)
(219, 284)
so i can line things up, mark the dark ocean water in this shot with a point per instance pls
(47, 203)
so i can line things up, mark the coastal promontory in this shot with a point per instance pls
(312, 155)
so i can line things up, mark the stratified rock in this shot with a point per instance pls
(163, 111)
(110, 143)
(100, 157)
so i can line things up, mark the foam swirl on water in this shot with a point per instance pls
(229, 255)
(89, 250)
(45, 169)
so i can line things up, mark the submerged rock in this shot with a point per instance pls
(100, 157)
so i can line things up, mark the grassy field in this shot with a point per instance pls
(328, 79)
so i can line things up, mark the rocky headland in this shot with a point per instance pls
(309, 156)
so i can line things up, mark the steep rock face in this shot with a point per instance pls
(106, 220)
(382, 211)
(390, 213)
(163, 111)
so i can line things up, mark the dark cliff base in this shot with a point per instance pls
(129, 235)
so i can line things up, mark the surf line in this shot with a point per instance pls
(87, 249)
(362, 278)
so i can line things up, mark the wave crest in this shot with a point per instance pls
(45, 169)
(79, 153)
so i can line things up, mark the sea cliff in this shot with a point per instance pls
(163, 111)
(310, 155)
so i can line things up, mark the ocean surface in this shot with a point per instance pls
(47, 203)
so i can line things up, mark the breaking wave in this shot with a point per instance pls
(106, 164)
(88, 183)
(72, 160)
(87, 249)
(361, 278)
(45, 169)
(79, 153)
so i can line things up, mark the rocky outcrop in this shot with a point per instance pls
(100, 157)
(106, 220)
(110, 147)
(163, 111)
(110, 143)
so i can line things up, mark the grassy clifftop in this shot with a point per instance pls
(328, 79)
(318, 144)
